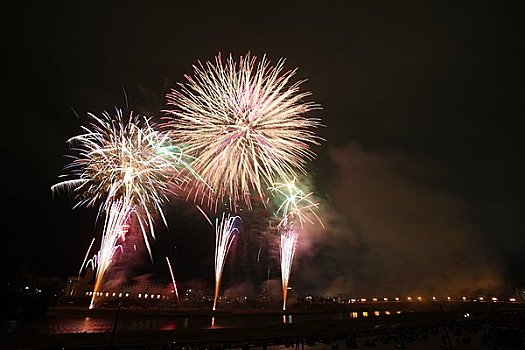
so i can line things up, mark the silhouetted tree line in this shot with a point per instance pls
(24, 295)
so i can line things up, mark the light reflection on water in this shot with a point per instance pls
(355, 314)
(170, 326)
(287, 319)
(124, 324)
(215, 324)
(92, 326)
(88, 325)
(80, 325)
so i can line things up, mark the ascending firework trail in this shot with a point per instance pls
(225, 232)
(173, 280)
(287, 251)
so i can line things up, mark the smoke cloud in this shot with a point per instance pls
(392, 228)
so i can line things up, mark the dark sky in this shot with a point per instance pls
(420, 179)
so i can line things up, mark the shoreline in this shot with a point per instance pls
(448, 306)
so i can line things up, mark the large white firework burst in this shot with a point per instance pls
(246, 123)
(124, 159)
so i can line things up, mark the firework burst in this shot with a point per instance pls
(129, 159)
(294, 204)
(245, 121)
(127, 167)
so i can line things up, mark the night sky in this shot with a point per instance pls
(420, 179)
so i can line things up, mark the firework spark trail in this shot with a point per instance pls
(294, 203)
(245, 123)
(115, 228)
(224, 237)
(173, 279)
(287, 251)
(85, 257)
(128, 167)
